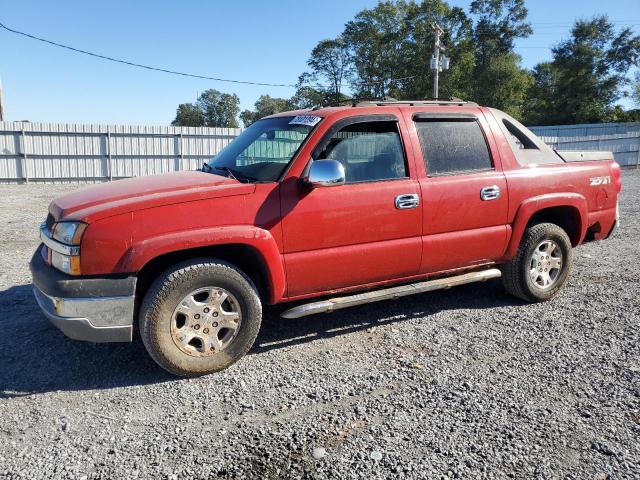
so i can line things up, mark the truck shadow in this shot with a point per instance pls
(36, 358)
(277, 332)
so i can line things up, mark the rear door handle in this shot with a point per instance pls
(407, 200)
(490, 193)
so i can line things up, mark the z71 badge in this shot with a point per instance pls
(595, 181)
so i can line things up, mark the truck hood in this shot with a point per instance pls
(131, 194)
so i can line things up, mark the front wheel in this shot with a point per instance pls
(542, 264)
(200, 317)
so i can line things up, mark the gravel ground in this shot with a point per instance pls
(462, 383)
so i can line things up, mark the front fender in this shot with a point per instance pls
(531, 206)
(140, 253)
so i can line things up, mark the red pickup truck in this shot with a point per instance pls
(330, 208)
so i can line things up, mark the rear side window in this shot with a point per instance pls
(526, 146)
(453, 146)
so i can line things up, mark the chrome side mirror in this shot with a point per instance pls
(325, 173)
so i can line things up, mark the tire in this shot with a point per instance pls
(517, 274)
(185, 331)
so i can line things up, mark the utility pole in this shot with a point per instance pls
(438, 63)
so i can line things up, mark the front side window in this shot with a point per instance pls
(263, 151)
(369, 151)
(453, 146)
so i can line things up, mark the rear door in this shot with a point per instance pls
(464, 192)
(354, 234)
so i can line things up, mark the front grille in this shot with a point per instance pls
(49, 222)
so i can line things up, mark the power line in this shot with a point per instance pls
(479, 32)
(183, 74)
(139, 65)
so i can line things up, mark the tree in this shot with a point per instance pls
(330, 61)
(219, 109)
(308, 95)
(635, 90)
(503, 84)
(455, 82)
(264, 106)
(392, 44)
(377, 37)
(499, 81)
(541, 95)
(587, 76)
(188, 115)
(499, 24)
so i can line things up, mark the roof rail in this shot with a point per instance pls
(429, 101)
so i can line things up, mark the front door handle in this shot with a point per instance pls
(407, 200)
(490, 193)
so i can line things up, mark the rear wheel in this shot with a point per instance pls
(542, 264)
(200, 317)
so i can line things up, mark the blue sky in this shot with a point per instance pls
(248, 40)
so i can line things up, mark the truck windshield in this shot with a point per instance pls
(262, 152)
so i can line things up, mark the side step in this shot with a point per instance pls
(338, 303)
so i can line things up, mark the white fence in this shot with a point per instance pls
(53, 152)
(623, 139)
(50, 152)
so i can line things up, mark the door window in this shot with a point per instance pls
(453, 146)
(369, 151)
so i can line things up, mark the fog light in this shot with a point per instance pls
(69, 264)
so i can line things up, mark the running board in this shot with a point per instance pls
(338, 303)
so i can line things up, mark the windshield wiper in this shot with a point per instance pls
(236, 175)
(206, 167)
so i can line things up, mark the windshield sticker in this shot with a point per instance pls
(310, 120)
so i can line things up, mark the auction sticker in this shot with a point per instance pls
(310, 120)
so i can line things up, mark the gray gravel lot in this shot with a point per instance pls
(462, 383)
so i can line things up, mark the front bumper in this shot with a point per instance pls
(94, 309)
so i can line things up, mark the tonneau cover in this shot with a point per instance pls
(584, 156)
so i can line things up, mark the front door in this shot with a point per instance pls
(354, 234)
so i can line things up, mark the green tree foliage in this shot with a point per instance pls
(212, 109)
(188, 115)
(499, 23)
(586, 77)
(392, 45)
(266, 105)
(455, 82)
(635, 90)
(331, 62)
(309, 95)
(219, 109)
(503, 84)
(499, 81)
(378, 37)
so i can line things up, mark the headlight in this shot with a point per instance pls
(63, 249)
(68, 232)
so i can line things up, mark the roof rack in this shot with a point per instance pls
(429, 101)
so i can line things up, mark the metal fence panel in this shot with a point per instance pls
(623, 139)
(586, 130)
(50, 152)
